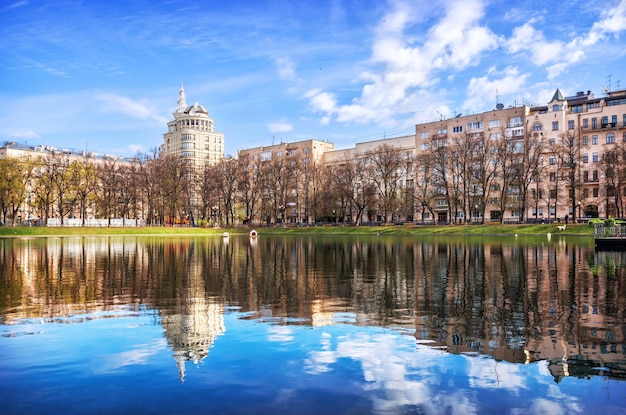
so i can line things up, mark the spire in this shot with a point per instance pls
(182, 101)
(558, 96)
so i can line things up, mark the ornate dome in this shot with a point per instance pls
(196, 109)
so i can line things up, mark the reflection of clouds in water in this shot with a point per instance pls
(139, 355)
(280, 334)
(389, 362)
(488, 373)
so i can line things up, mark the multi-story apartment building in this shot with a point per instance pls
(46, 163)
(458, 161)
(285, 176)
(583, 135)
(191, 135)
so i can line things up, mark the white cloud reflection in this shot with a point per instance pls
(138, 356)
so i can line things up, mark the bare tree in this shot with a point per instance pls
(567, 152)
(387, 167)
(506, 154)
(227, 178)
(83, 182)
(15, 178)
(108, 190)
(528, 164)
(173, 186)
(441, 173)
(609, 165)
(425, 190)
(248, 182)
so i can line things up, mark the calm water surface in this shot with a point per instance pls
(342, 325)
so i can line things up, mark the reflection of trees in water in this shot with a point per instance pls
(514, 301)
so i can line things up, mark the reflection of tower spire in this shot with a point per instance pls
(180, 362)
(182, 100)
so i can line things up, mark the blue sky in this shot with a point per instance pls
(104, 75)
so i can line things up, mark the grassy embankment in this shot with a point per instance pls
(490, 229)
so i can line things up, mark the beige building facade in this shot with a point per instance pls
(191, 135)
(284, 174)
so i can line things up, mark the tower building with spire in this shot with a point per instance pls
(191, 135)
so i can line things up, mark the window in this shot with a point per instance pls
(266, 155)
(553, 159)
(552, 194)
(605, 121)
(474, 125)
(424, 134)
(594, 123)
(496, 136)
(537, 126)
(577, 109)
(585, 123)
(555, 125)
(442, 131)
(515, 122)
(552, 141)
(624, 137)
(616, 102)
(585, 141)
(494, 123)
(457, 129)
(585, 176)
(594, 175)
(610, 138)
(624, 121)
(570, 125)
(594, 139)
(595, 192)
(594, 157)
(586, 158)
(553, 177)
(613, 120)
(610, 191)
(585, 193)
(555, 108)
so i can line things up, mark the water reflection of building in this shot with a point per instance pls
(524, 303)
(192, 330)
(515, 301)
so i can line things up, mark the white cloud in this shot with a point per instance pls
(402, 66)
(557, 55)
(129, 107)
(286, 68)
(279, 127)
(322, 101)
(613, 22)
(481, 92)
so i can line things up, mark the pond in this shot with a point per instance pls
(309, 325)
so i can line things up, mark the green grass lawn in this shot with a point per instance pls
(577, 229)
